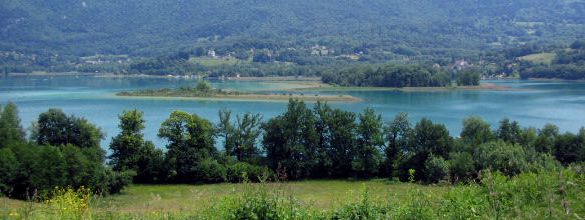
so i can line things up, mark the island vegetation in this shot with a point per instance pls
(205, 91)
(507, 172)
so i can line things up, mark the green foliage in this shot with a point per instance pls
(476, 131)
(241, 137)
(190, 141)
(507, 158)
(462, 166)
(131, 152)
(363, 208)
(241, 171)
(8, 169)
(509, 131)
(468, 78)
(257, 202)
(203, 87)
(436, 169)
(431, 138)
(389, 76)
(290, 141)
(55, 128)
(369, 143)
(398, 134)
(10, 128)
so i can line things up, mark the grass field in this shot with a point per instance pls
(213, 62)
(556, 194)
(543, 58)
(191, 199)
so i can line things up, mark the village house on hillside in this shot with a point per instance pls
(320, 51)
(461, 65)
(211, 53)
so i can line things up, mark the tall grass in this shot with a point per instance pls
(536, 195)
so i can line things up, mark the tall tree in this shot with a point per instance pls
(190, 142)
(509, 131)
(432, 138)
(290, 141)
(476, 131)
(246, 133)
(55, 128)
(10, 128)
(369, 144)
(398, 134)
(225, 129)
(131, 152)
(343, 141)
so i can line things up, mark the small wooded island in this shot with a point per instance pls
(204, 91)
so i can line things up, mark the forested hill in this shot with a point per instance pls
(149, 27)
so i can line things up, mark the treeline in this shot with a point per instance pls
(302, 142)
(322, 142)
(62, 151)
(392, 76)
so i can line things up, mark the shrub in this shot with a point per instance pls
(211, 171)
(68, 203)
(436, 169)
(507, 158)
(241, 171)
(257, 201)
(364, 208)
(462, 166)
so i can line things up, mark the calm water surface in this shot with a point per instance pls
(534, 103)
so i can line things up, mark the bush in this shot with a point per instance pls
(436, 169)
(241, 171)
(507, 158)
(364, 208)
(8, 170)
(211, 171)
(462, 166)
(258, 202)
(118, 180)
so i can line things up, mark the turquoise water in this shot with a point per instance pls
(534, 103)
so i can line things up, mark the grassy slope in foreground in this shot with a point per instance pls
(192, 199)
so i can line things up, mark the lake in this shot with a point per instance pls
(532, 103)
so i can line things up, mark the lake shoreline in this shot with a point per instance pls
(483, 86)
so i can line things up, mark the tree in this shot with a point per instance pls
(10, 128)
(398, 134)
(476, 131)
(343, 141)
(55, 128)
(246, 133)
(369, 143)
(291, 141)
(203, 87)
(468, 78)
(509, 131)
(431, 138)
(505, 157)
(436, 169)
(462, 166)
(190, 141)
(8, 170)
(570, 148)
(225, 129)
(545, 142)
(131, 152)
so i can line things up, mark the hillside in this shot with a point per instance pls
(151, 27)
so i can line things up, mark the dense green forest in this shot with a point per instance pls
(399, 76)
(113, 36)
(302, 142)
